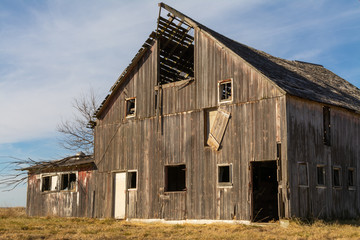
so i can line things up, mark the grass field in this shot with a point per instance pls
(14, 224)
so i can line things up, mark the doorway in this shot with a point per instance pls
(264, 191)
(120, 195)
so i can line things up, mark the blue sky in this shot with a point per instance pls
(52, 51)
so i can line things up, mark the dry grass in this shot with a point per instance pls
(14, 224)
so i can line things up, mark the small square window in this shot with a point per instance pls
(337, 177)
(225, 90)
(351, 177)
(224, 175)
(303, 174)
(68, 182)
(175, 178)
(320, 175)
(132, 180)
(130, 107)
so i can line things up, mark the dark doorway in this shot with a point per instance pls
(265, 190)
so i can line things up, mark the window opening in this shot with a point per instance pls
(225, 90)
(351, 177)
(175, 178)
(336, 177)
(132, 180)
(49, 183)
(224, 174)
(303, 174)
(326, 125)
(68, 181)
(130, 107)
(320, 172)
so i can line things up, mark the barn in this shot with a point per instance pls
(61, 187)
(201, 127)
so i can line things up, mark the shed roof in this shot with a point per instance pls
(78, 160)
(305, 80)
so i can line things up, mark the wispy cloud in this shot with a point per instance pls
(53, 50)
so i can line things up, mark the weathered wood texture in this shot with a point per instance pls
(147, 144)
(305, 144)
(61, 203)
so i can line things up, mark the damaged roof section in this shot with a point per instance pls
(175, 33)
(175, 36)
(68, 163)
(176, 49)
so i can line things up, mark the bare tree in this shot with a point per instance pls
(78, 133)
(10, 174)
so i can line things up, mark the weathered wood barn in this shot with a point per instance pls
(199, 126)
(62, 187)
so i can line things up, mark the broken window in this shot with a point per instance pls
(68, 182)
(49, 183)
(303, 174)
(225, 90)
(320, 175)
(130, 107)
(351, 177)
(218, 128)
(209, 119)
(224, 175)
(175, 179)
(132, 180)
(326, 125)
(336, 176)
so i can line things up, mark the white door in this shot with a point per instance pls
(120, 196)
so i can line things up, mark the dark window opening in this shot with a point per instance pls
(225, 90)
(68, 181)
(132, 180)
(320, 174)
(46, 183)
(224, 174)
(303, 174)
(351, 177)
(130, 107)
(175, 179)
(49, 183)
(326, 125)
(336, 177)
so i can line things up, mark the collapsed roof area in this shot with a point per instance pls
(175, 35)
(176, 48)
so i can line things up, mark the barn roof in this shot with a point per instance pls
(305, 80)
(71, 162)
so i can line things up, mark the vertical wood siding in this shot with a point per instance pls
(305, 144)
(148, 144)
(61, 203)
